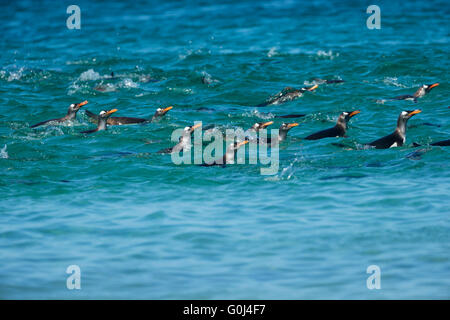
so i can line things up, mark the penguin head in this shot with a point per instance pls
(190, 129)
(409, 113)
(345, 116)
(236, 145)
(287, 126)
(162, 111)
(106, 114)
(428, 87)
(74, 107)
(261, 125)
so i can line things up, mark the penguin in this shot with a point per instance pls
(282, 134)
(423, 90)
(117, 121)
(102, 121)
(228, 157)
(287, 94)
(338, 130)
(398, 137)
(184, 142)
(71, 115)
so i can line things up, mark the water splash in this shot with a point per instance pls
(89, 75)
(4, 153)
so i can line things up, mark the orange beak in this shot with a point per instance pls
(240, 144)
(111, 111)
(354, 113)
(167, 109)
(264, 125)
(414, 112)
(82, 103)
(433, 85)
(291, 125)
(314, 87)
(198, 125)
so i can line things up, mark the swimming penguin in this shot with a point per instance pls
(338, 130)
(288, 94)
(113, 121)
(228, 157)
(398, 137)
(282, 133)
(423, 90)
(102, 121)
(71, 115)
(184, 141)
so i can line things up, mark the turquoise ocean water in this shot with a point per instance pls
(141, 227)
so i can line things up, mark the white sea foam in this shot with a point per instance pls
(128, 83)
(327, 54)
(4, 153)
(394, 82)
(89, 75)
(14, 75)
(272, 52)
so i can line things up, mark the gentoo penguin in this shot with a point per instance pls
(423, 90)
(338, 130)
(113, 121)
(398, 137)
(282, 133)
(71, 115)
(288, 94)
(228, 157)
(184, 141)
(102, 121)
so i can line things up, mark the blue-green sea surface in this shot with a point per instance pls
(141, 227)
